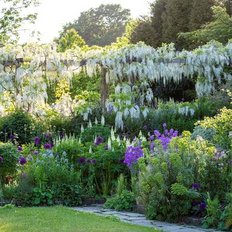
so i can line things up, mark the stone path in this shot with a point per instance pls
(139, 219)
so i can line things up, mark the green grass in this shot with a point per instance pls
(60, 219)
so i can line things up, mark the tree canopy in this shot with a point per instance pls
(70, 40)
(220, 29)
(13, 15)
(102, 25)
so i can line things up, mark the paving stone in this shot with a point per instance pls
(140, 219)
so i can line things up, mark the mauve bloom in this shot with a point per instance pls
(47, 146)
(81, 160)
(164, 125)
(12, 137)
(93, 161)
(22, 160)
(152, 137)
(35, 152)
(20, 148)
(99, 140)
(202, 206)
(1, 159)
(37, 141)
(196, 186)
(152, 146)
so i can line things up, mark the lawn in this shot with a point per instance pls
(58, 219)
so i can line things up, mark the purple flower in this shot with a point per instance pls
(93, 161)
(81, 160)
(37, 141)
(12, 136)
(195, 203)
(152, 137)
(152, 146)
(132, 155)
(22, 160)
(203, 206)
(196, 186)
(164, 125)
(47, 146)
(35, 153)
(1, 159)
(48, 135)
(99, 140)
(20, 148)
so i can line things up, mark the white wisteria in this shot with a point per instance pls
(27, 71)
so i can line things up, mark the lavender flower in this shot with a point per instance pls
(35, 153)
(81, 160)
(99, 140)
(37, 141)
(132, 155)
(22, 160)
(47, 146)
(203, 206)
(196, 186)
(20, 148)
(1, 159)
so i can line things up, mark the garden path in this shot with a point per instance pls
(140, 219)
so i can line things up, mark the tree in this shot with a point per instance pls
(101, 26)
(220, 29)
(158, 12)
(12, 16)
(201, 13)
(70, 40)
(143, 31)
(175, 20)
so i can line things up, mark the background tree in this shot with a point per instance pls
(101, 26)
(175, 20)
(220, 29)
(201, 13)
(13, 15)
(70, 40)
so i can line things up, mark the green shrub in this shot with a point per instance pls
(8, 161)
(16, 127)
(47, 180)
(124, 201)
(166, 178)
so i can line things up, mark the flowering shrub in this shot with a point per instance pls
(170, 186)
(132, 155)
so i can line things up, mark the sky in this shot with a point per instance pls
(53, 14)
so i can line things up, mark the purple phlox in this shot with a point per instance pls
(20, 148)
(35, 153)
(47, 146)
(99, 140)
(81, 160)
(132, 155)
(37, 141)
(1, 159)
(152, 147)
(22, 160)
(202, 206)
(196, 186)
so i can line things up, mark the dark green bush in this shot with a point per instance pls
(8, 161)
(17, 127)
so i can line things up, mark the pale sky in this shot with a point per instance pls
(53, 14)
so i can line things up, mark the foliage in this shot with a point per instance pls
(9, 157)
(13, 14)
(70, 40)
(221, 124)
(47, 180)
(123, 199)
(219, 29)
(217, 216)
(17, 127)
(102, 25)
(168, 180)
